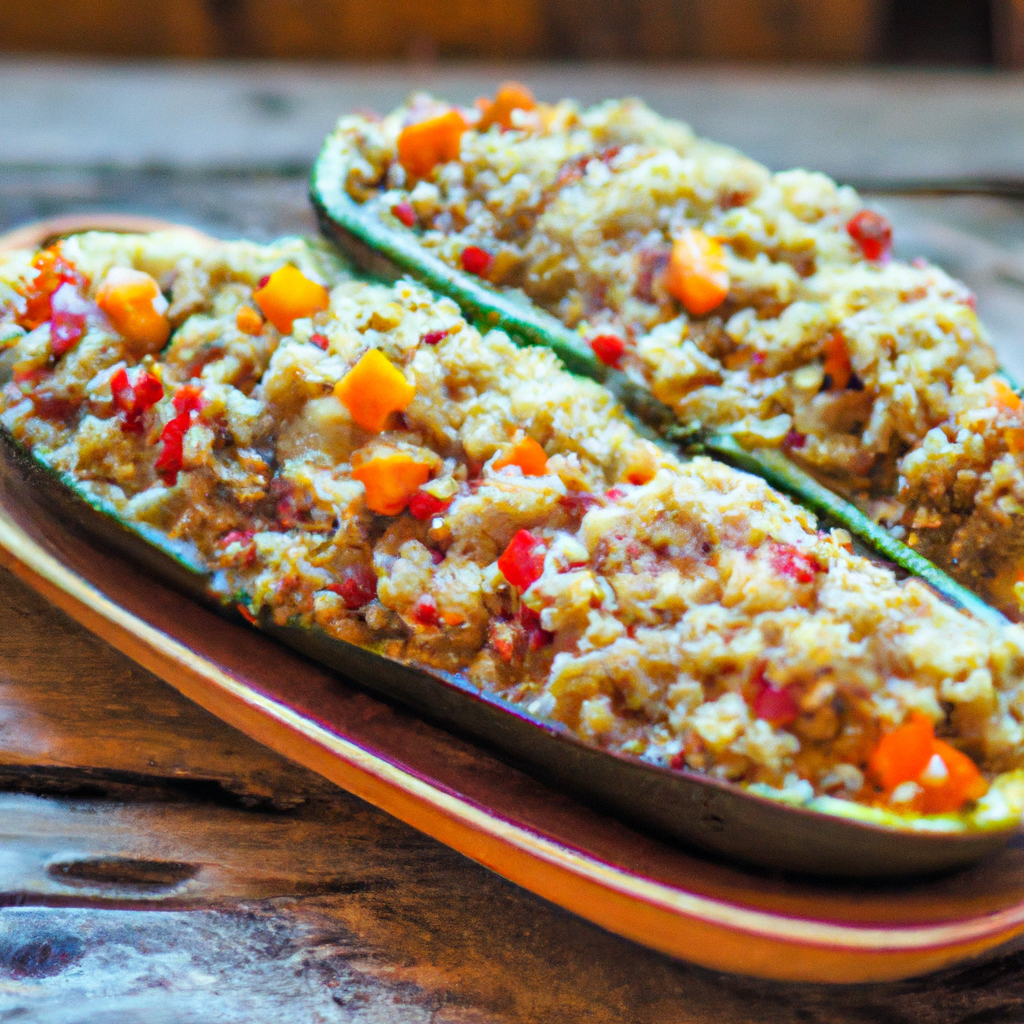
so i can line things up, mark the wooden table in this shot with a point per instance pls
(305, 904)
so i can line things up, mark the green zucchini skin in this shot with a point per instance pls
(826, 837)
(388, 253)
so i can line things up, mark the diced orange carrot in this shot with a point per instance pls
(1004, 398)
(374, 389)
(963, 782)
(837, 362)
(527, 454)
(137, 309)
(288, 296)
(390, 481)
(248, 321)
(424, 145)
(696, 274)
(511, 96)
(1014, 439)
(902, 754)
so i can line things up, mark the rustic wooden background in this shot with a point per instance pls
(158, 867)
(964, 32)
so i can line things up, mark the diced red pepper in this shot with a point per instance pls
(433, 337)
(614, 493)
(320, 340)
(794, 439)
(873, 234)
(789, 560)
(404, 212)
(523, 560)
(244, 539)
(172, 437)
(133, 396)
(609, 348)
(424, 611)
(579, 503)
(188, 399)
(536, 636)
(357, 588)
(775, 704)
(476, 260)
(424, 505)
(68, 318)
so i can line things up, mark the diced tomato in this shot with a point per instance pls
(424, 505)
(404, 212)
(320, 340)
(614, 493)
(789, 560)
(476, 260)
(794, 439)
(523, 560)
(873, 234)
(133, 396)
(609, 348)
(433, 337)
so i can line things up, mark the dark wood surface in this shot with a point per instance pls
(303, 903)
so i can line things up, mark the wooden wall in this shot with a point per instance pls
(843, 30)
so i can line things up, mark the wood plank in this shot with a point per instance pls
(855, 125)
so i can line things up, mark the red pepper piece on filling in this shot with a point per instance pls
(476, 260)
(405, 213)
(873, 234)
(789, 560)
(775, 704)
(609, 348)
(133, 396)
(423, 505)
(523, 560)
(357, 588)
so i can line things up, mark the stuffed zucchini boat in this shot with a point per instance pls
(466, 526)
(763, 310)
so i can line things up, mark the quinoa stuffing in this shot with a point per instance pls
(356, 458)
(765, 304)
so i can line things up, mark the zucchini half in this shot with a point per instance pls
(390, 254)
(827, 837)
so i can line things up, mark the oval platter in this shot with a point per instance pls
(714, 914)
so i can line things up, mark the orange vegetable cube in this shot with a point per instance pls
(1014, 439)
(527, 454)
(902, 754)
(390, 481)
(511, 96)
(962, 782)
(696, 274)
(373, 389)
(1005, 399)
(424, 145)
(837, 362)
(248, 321)
(137, 309)
(288, 296)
